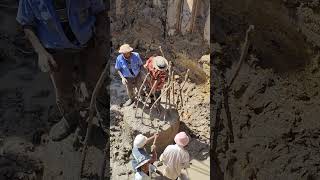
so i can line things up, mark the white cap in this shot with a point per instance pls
(140, 141)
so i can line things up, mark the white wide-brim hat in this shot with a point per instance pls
(160, 63)
(125, 48)
(139, 141)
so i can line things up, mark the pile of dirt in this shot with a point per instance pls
(274, 102)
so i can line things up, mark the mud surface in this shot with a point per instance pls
(274, 103)
(142, 27)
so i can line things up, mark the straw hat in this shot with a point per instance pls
(160, 63)
(125, 48)
(139, 141)
(181, 139)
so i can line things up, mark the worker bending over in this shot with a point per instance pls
(142, 162)
(156, 66)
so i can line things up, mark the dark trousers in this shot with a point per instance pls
(74, 67)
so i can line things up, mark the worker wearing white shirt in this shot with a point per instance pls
(175, 157)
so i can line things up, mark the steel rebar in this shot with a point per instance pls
(183, 84)
(165, 92)
(153, 86)
(172, 80)
(138, 98)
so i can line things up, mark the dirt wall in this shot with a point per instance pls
(286, 32)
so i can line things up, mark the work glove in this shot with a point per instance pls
(45, 59)
(124, 81)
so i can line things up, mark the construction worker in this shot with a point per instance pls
(142, 162)
(69, 37)
(156, 66)
(175, 157)
(128, 65)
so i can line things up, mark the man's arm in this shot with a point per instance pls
(154, 155)
(151, 138)
(37, 46)
(44, 58)
(120, 74)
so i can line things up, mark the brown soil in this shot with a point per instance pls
(274, 102)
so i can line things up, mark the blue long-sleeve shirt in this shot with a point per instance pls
(43, 17)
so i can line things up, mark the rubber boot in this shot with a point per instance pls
(64, 127)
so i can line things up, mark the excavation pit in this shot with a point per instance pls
(148, 125)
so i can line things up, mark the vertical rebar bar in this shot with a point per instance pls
(172, 82)
(138, 98)
(144, 105)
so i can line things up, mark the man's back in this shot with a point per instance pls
(175, 158)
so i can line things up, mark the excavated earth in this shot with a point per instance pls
(142, 27)
(274, 102)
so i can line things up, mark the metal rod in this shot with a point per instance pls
(172, 80)
(144, 105)
(169, 82)
(184, 82)
(165, 92)
(160, 48)
(137, 101)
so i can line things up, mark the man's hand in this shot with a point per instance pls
(124, 81)
(156, 135)
(153, 148)
(44, 61)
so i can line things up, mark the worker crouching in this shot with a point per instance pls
(156, 66)
(142, 162)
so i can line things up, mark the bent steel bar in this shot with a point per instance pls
(138, 98)
(145, 102)
(165, 92)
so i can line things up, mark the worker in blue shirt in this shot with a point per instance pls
(69, 38)
(130, 68)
